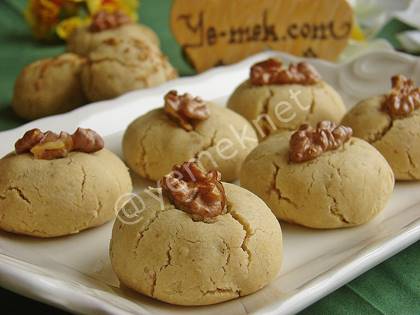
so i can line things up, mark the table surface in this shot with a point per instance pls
(393, 287)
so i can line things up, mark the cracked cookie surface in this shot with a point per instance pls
(49, 86)
(49, 198)
(312, 104)
(153, 143)
(169, 256)
(398, 140)
(340, 188)
(119, 65)
(82, 41)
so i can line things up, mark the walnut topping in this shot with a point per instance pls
(49, 145)
(87, 140)
(308, 143)
(185, 109)
(104, 20)
(29, 139)
(194, 191)
(403, 99)
(271, 71)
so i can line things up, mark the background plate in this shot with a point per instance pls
(74, 272)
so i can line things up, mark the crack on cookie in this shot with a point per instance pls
(220, 291)
(333, 207)
(411, 160)
(168, 258)
(413, 165)
(154, 281)
(228, 254)
(38, 191)
(82, 186)
(141, 233)
(70, 160)
(313, 181)
(261, 125)
(98, 208)
(248, 233)
(312, 105)
(274, 188)
(168, 263)
(20, 194)
(382, 133)
(143, 155)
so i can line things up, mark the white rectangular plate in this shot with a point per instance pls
(74, 272)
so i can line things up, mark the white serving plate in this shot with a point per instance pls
(74, 272)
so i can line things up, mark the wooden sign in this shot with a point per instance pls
(215, 32)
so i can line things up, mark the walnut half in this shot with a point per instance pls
(194, 191)
(185, 109)
(49, 145)
(307, 143)
(104, 20)
(271, 71)
(403, 99)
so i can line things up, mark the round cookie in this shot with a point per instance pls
(170, 257)
(49, 86)
(153, 143)
(279, 107)
(49, 198)
(340, 188)
(82, 41)
(397, 139)
(120, 65)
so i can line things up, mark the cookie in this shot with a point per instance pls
(156, 141)
(397, 137)
(119, 65)
(276, 99)
(320, 178)
(82, 41)
(172, 256)
(46, 191)
(49, 86)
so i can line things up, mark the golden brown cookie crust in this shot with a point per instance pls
(170, 257)
(49, 86)
(398, 140)
(49, 198)
(341, 188)
(120, 65)
(82, 41)
(314, 103)
(153, 143)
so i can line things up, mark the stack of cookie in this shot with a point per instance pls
(109, 57)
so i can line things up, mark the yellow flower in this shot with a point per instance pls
(48, 18)
(42, 15)
(129, 7)
(67, 26)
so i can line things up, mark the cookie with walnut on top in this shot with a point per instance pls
(319, 177)
(188, 128)
(391, 123)
(119, 65)
(198, 241)
(275, 98)
(106, 25)
(59, 184)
